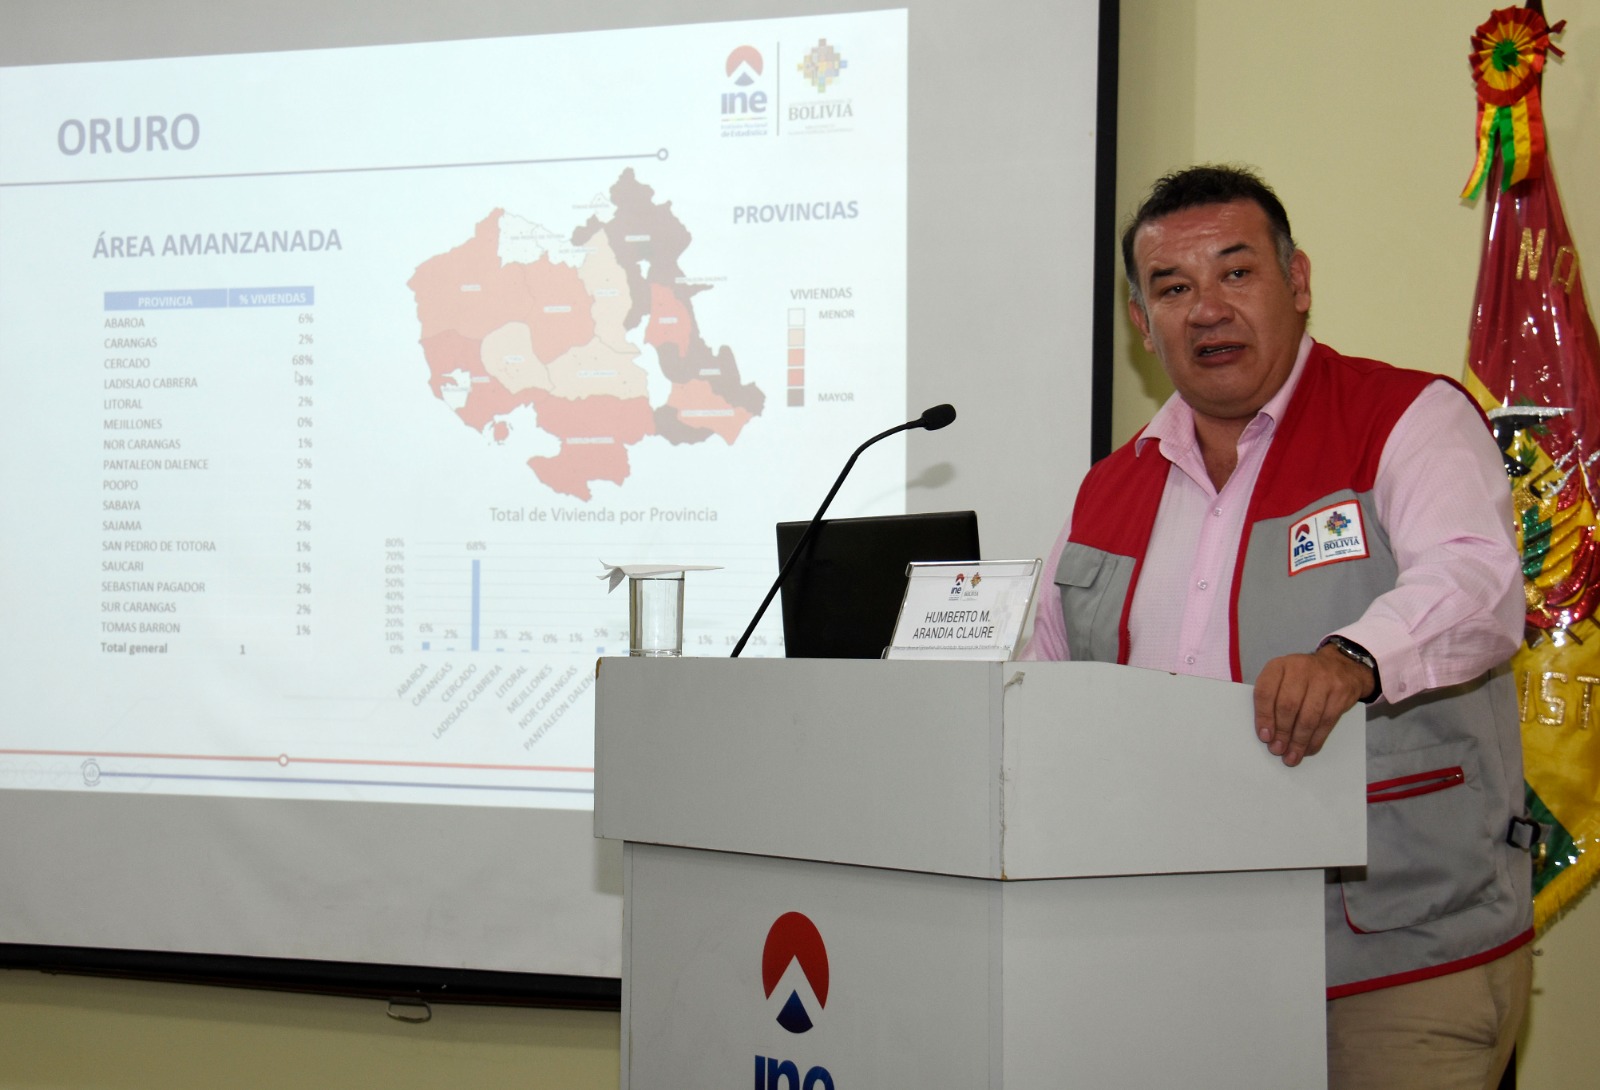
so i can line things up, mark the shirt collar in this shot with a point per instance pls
(1172, 427)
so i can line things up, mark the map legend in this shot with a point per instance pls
(797, 357)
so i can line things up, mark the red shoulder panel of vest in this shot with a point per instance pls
(1333, 434)
(1118, 499)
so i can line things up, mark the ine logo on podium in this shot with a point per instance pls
(793, 937)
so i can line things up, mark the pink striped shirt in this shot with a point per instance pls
(1441, 494)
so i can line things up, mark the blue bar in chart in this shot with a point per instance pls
(477, 600)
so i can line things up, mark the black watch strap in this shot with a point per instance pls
(1352, 650)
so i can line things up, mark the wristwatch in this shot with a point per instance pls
(1352, 650)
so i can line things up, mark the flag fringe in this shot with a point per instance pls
(1565, 891)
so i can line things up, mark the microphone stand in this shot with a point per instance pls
(933, 419)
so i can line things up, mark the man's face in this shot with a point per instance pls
(1217, 311)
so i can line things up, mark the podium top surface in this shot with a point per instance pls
(986, 770)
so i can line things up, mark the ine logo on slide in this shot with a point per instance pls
(744, 65)
(744, 105)
(794, 938)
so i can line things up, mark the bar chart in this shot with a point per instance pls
(535, 598)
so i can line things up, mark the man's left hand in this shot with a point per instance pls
(1299, 698)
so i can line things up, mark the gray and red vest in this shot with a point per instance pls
(1442, 889)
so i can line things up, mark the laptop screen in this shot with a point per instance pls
(842, 597)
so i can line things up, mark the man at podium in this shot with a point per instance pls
(1330, 530)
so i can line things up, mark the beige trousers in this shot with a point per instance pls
(1454, 1032)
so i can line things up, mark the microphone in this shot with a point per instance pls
(940, 416)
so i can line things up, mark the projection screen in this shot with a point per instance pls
(345, 344)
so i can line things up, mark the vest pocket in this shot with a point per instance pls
(1430, 852)
(1093, 585)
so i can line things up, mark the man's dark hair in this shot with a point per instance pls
(1200, 186)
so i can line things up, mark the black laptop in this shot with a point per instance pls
(843, 596)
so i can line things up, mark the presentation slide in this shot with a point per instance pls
(346, 344)
(323, 423)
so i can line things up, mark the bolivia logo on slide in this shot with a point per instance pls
(793, 937)
(746, 62)
(822, 65)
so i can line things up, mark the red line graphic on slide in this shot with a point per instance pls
(283, 759)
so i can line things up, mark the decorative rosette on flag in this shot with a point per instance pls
(1508, 55)
(1533, 362)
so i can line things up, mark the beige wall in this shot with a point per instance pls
(80, 1033)
(1360, 113)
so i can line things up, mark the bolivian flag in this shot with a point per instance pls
(1533, 362)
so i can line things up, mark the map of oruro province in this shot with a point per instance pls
(520, 317)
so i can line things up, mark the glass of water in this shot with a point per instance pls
(655, 614)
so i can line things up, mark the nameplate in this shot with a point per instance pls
(971, 610)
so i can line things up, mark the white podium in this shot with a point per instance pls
(841, 875)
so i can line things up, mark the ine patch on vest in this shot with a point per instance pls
(1326, 537)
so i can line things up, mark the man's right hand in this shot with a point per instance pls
(1299, 699)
